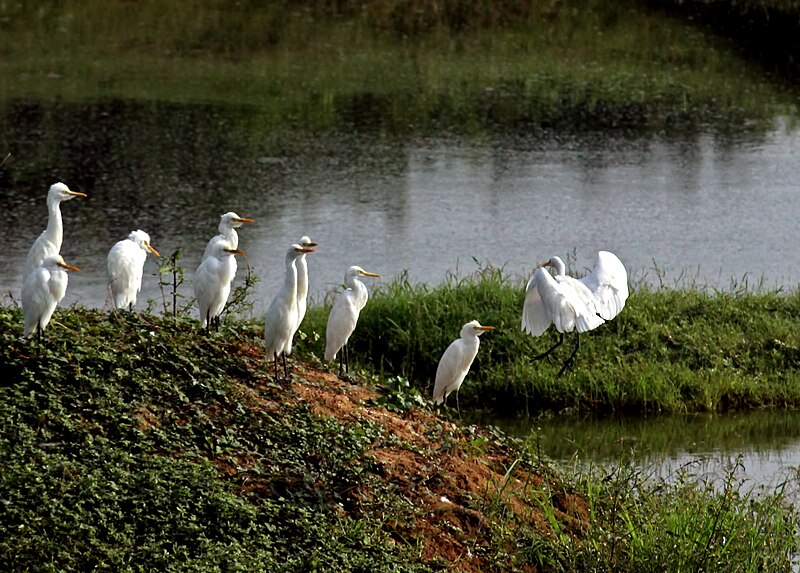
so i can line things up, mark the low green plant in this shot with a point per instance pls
(171, 279)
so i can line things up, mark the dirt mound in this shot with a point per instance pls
(457, 479)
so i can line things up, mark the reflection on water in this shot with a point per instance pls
(705, 446)
(716, 206)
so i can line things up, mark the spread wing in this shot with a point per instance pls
(608, 283)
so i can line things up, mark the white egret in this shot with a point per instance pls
(49, 241)
(281, 320)
(344, 316)
(42, 291)
(456, 360)
(302, 280)
(212, 282)
(228, 223)
(572, 304)
(125, 265)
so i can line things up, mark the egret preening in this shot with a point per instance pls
(302, 280)
(456, 360)
(212, 282)
(42, 291)
(281, 321)
(344, 316)
(572, 304)
(49, 241)
(228, 223)
(125, 265)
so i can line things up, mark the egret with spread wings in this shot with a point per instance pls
(573, 305)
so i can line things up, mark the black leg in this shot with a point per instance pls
(458, 408)
(556, 345)
(346, 351)
(276, 366)
(285, 369)
(571, 356)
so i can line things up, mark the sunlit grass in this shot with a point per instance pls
(669, 350)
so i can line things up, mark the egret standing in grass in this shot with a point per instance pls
(344, 316)
(456, 360)
(302, 280)
(212, 282)
(281, 321)
(572, 304)
(125, 266)
(49, 241)
(42, 291)
(228, 223)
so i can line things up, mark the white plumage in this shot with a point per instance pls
(574, 305)
(281, 320)
(125, 266)
(42, 291)
(49, 241)
(344, 315)
(212, 281)
(456, 360)
(302, 280)
(228, 223)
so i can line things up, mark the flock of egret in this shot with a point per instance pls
(570, 304)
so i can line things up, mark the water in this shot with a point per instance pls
(707, 209)
(767, 443)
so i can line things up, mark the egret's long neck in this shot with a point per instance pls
(302, 278)
(559, 266)
(230, 235)
(55, 227)
(360, 291)
(472, 341)
(290, 283)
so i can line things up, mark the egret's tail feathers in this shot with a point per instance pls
(586, 322)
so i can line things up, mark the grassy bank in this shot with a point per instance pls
(134, 443)
(668, 351)
(764, 30)
(382, 65)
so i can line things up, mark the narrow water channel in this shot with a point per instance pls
(762, 446)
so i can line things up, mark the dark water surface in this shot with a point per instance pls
(707, 208)
(763, 447)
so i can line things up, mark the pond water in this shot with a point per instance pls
(706, 209)
(762, 448)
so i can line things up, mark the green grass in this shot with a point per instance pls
(687, 524)
(587, 65)
(112, 448)
(133, 443)
(669, 350)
